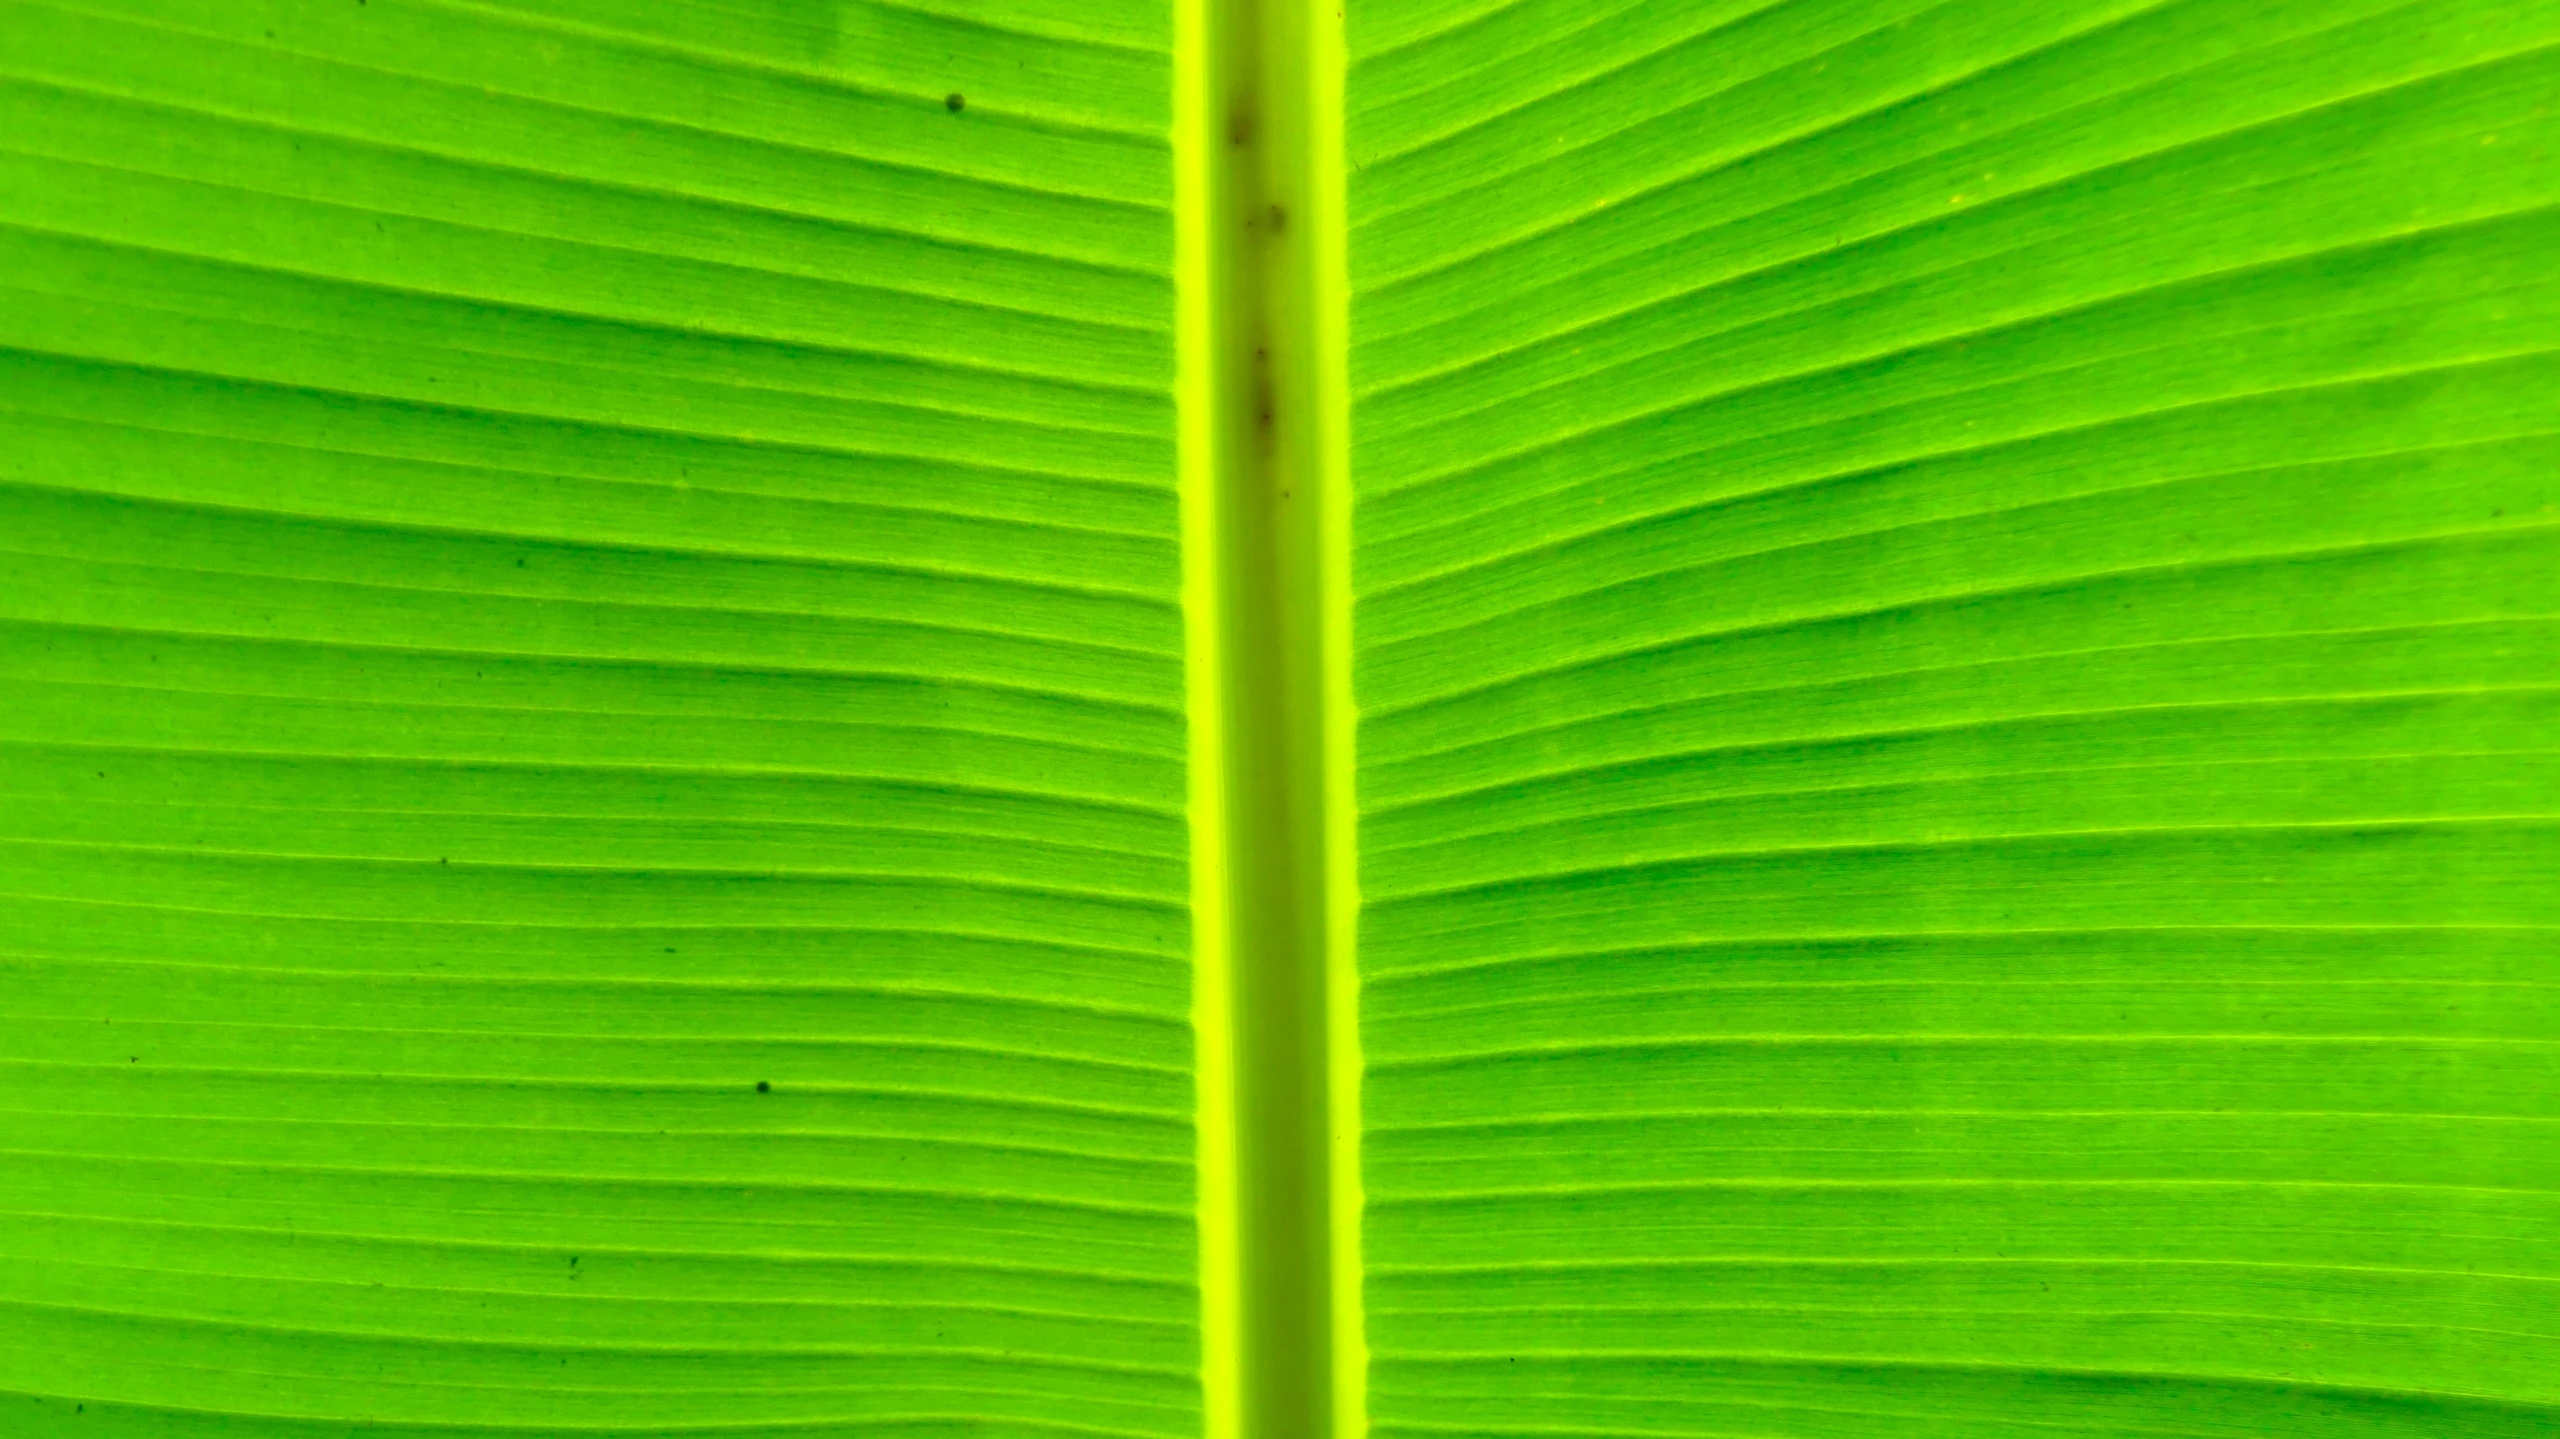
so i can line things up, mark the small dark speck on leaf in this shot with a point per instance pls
(440, 859)
(671, 949)
(573, 1261)
(133, 1059)
(954, 102)
(519, 564)
(764, 1086)
(1279, 219)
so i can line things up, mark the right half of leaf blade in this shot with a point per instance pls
(1957, 651)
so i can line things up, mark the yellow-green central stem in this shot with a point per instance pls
(1263, 359)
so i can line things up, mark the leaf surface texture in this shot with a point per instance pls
(1956, 641)
(1955, 648)
(592, 808)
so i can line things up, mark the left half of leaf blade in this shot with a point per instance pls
(591, 825)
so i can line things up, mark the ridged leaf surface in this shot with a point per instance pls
(1958, 619)
(591, 798)
(1956, 638)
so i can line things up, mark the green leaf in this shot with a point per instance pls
(1956, 650)
(593, 788)
(1504, 717)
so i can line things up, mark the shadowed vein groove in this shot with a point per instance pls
(499, 413)
(708, 62)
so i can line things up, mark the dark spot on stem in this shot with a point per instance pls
(1279, 218)
(764, 1086)
(954, 102)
